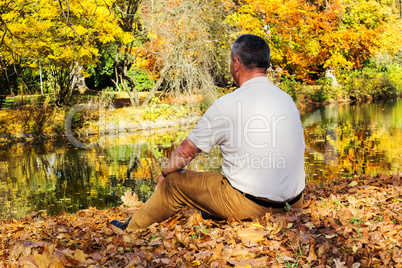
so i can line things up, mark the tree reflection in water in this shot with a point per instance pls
(353, 139)
(341, 141)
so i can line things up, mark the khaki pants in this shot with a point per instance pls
(206, 191)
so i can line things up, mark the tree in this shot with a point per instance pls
(61, 35)
(189, 44)
(127, 12)
(308, 37)
(5, 50)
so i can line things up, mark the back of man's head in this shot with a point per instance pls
(252, 51)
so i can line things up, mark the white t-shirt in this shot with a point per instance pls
(260, 135)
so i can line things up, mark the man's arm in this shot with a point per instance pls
(180, 157)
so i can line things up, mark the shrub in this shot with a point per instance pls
(141, 78)
(158, 109)
(381, 76)
(290, 86)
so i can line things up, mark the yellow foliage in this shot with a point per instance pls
(59, 34)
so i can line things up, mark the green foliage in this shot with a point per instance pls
(301, 92)
(287, 207)
(370, 13)
(161, 110)
(395, 77)
(141, 78)
(28, 81)
(392, 65)
(356, 219)
(322, 92)
(290, 86)
(145, 189)
(382, 75)
(101, 73)
(203, 107)
(19, 80)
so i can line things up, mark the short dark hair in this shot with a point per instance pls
(252, 51)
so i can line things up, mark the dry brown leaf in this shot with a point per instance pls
(342, 264)
(344, 216)
(275, 228)
(310, 225)
(243, 263)
(20, 250)
(203, 254)
(353, 184)
(312, 256)
(87, 239)
(161, 261)
(130, 199)
(45, 259)
(28, 262)
(79, 255)
(251, 235)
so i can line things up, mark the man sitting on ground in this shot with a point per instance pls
(259, 132)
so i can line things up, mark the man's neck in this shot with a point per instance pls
(245, 76)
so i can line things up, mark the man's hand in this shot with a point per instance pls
(181, 156)
(161, 178)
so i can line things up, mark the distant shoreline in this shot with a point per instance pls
(146, 125)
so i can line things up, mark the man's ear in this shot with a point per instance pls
(236, 63)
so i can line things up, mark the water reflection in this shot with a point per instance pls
(353, 139)
(341, 140)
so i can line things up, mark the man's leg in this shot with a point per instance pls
(178, 190)
(206, 191)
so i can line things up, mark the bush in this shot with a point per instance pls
(163, 110)
(381, 76)
(141, 78)
(290, 86)
(395, 77)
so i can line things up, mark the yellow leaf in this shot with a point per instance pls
(79, 255)
(310, 225)
(331, 236)
(352, 184)
(258, 225)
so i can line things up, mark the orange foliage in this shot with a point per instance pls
(308, 37)
(184, 99)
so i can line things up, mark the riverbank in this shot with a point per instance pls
(37, 123)
(83, 120)
(354, 222)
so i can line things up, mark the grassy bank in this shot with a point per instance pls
(353, 222)
(103, 113)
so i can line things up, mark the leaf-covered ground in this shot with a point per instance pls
(350, 223)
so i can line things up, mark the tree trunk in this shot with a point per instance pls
(62, 89)
(125, 87)
(155, 87)
(134, 91)
(122, 66)
(329, 72)
(78, 79)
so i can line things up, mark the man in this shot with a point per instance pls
(259, 132)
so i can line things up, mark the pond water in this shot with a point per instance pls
(342, 140)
